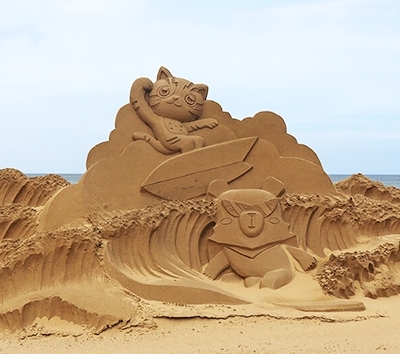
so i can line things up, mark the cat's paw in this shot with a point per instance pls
(140, 136)
(135, 105)
(147, 84)
(209, 122)
(144, 83)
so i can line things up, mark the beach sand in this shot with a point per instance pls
(373, 333)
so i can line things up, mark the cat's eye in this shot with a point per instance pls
(190, 99)
(163, 91)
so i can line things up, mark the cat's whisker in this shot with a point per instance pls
(155, 105)
(194, 115)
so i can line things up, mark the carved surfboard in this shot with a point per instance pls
(188, 175)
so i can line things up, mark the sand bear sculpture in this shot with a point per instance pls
(251, 238)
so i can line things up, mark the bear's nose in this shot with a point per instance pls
(251, 223)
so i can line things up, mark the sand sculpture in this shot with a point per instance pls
(186, 205)
(252, 239)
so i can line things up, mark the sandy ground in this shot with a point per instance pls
(375, 330)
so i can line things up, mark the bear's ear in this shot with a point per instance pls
(216, 188)
(274, 186)
(163, 73)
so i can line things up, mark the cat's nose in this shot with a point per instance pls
(177, 101)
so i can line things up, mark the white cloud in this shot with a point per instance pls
(317, 63)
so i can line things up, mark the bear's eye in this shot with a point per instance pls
(226, 221)
(230, 208)
(274, 221)
(163, 91)
(190, 99)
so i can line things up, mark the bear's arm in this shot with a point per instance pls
(216, 265)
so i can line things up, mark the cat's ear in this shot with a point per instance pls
(163, 73)
(201, 89)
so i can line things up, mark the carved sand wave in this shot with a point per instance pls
(339, 222)
(372, 273)
(360, 184)
(16, 188)
(96, 275)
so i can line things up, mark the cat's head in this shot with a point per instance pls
(177, 98)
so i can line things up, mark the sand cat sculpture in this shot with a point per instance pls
(171, 107)
(252, 239)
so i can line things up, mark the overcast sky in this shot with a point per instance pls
(331, 69)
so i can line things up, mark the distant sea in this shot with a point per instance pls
(387, 180)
